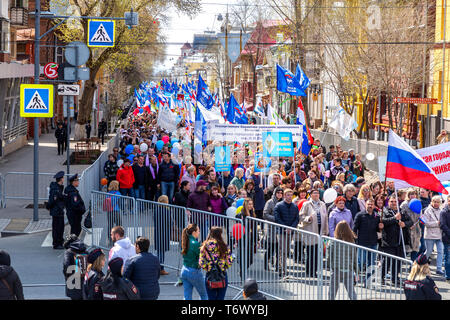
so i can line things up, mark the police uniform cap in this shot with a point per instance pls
(422, 259)
(59, 175)
(115, 265)
(74, 177)
(94, 254)
(250, 287)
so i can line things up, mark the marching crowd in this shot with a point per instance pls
(149, 164)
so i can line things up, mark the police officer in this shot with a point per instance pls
(56, 205)
(61, 136)
(102, 128)
(419, 285)
(91, 289)
(74, 205)
(114, 286)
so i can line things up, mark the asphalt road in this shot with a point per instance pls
(40, 269)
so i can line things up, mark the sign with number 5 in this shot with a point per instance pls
(51, 70)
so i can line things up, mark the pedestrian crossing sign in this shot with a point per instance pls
(101, 33)
(36, 100)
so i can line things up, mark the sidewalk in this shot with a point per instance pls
(16, 218)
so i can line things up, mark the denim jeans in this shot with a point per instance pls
(168, 188)
(447, 260)
(129, 192)
(193, 278)
(217, 294)
(440, 251)
(139, 193)
(366, 258)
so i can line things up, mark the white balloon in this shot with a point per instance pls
(329, 195)
(120, 162)
(231, 212)
(176, 145)
(370, 156)
(143, 147)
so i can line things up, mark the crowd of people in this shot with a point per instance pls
(149, 164)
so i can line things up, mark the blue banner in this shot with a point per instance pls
(288, 83)
(277, 144)
(262, 164)
(222, 158)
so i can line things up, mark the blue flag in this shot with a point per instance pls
(231, 109)
(204, 95)
(301, 77)
(288, 83)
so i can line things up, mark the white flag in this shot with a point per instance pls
(343, 123)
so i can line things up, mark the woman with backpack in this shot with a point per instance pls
(74, 266)
(111, 205)
(96, 261)
(191, 273)
(215, 259)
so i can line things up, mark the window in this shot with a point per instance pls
(21, 3)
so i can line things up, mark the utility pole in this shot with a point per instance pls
(37, 32)
(227, 84)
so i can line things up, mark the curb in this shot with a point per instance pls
(5, 234)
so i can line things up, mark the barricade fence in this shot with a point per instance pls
(287, 263)
(19, 185)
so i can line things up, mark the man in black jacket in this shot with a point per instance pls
(153, 179)
(102, 129)
(10, 285)
(181, 197)
(445, 227)
(395, 235)
(56, 205)
(110, 168)
(168, 176)
(144, 270)
(366, 226)
(75, 207)
(285, 213)
(141, 177)
(61, 136)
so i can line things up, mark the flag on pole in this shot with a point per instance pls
(288, 83)
(307, 139)
(259, 109)
(406, 168)
(301, 77)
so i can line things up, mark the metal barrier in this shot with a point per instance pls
(366, 274)
(283, 260)
(19, 185)
(109, 210)
(287, 263)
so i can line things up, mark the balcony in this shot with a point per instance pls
(19, 17)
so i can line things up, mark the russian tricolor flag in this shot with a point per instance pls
(406, 168)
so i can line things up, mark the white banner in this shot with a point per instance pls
(245, 133)
(438, 158)
(343, 123)
(167, 119)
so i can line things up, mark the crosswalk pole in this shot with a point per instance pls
(36, 120)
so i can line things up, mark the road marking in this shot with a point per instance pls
(48, 241)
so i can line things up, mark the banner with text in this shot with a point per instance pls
(245, 133)
(438, 158)
(167, 119)
(222, 158)
(277, 144)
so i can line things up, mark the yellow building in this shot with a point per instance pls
(435, 90)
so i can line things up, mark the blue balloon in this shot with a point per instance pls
(131, 157)
(239, 202)
(198, 148)
(129, 149)
(141, 111)
(159, 145)
(415, 206)
(174, 140)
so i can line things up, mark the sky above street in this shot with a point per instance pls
(181, 28)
